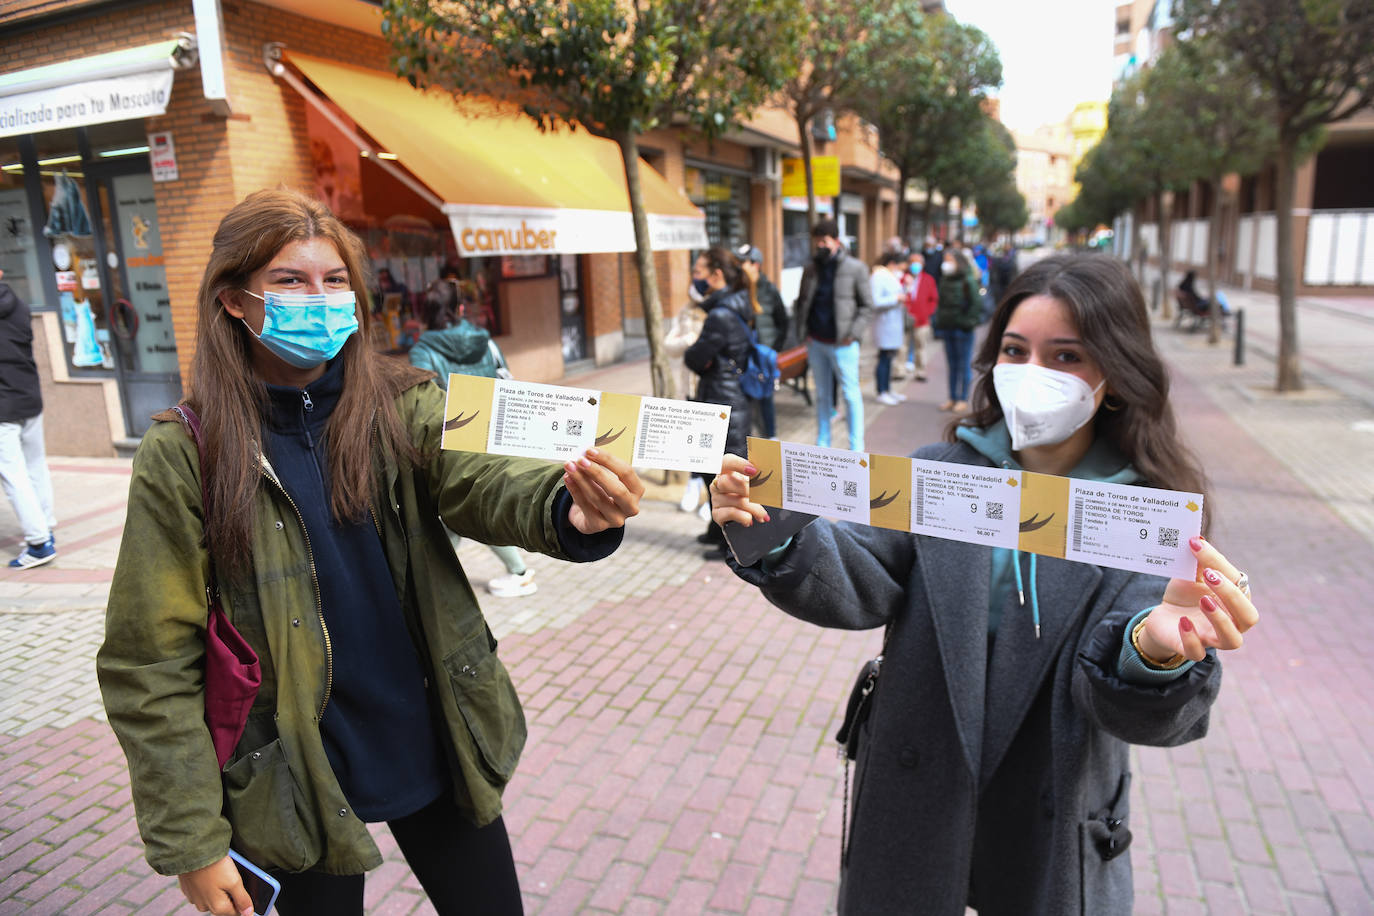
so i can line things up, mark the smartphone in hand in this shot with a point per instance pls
(754, 542)
(261, 886)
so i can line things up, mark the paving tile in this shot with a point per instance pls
(680, 756)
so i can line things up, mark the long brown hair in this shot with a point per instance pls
(231, 400)
(736, 277)
(1109, 311)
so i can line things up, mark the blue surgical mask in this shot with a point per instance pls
(914, 270)
(306, 329)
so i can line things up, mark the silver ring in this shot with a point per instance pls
(1243, 583)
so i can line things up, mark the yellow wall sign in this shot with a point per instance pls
(825, 175)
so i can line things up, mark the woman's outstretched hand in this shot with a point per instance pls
(605, 491)
(730, 493)
(217, 889)
(1209, 612)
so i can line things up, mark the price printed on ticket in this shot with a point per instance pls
(1124, 527)
(529, 420)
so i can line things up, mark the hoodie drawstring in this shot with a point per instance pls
(1021, 591)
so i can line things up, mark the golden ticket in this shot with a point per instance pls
(525, 419)
(1124, 527)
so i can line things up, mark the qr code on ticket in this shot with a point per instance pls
(706, 440)
(574, 428)
(1168, 537)
(851, 488)
(994, 511)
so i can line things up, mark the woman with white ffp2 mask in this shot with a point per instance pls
(1007, 751)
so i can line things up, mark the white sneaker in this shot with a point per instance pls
(887, 398)
(512, 585)
(692, 495)
(900, 397)
(705, 511)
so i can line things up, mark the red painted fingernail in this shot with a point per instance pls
(1196, 542)
(1212, 576)
(1185, 625)
(751, 470)
(1209, 604)
(767, 517)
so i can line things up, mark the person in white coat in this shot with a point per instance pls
(888, 327)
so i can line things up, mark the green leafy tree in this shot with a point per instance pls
(844, 41)
(1314, 58)
(1217, 96)
(1002, 208)
(1158, 147)
(929, 97)
(617, 68)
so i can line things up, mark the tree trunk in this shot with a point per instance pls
(925, 215)
(1137, 253)
(659, 371)
(960, 214)
(1213, 238)
(1289, 363)
(804, 131)
(1166, 292)
(903, 209)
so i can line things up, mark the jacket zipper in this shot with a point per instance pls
(319, 602)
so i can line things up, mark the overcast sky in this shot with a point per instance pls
(1054, 55)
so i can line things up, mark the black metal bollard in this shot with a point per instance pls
(1240, 337)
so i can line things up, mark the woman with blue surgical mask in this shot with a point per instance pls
(315, 502)
(994, 769)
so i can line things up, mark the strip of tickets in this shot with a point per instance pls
(1124, 527)
(505, 417)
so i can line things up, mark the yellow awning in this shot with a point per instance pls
(506, 187)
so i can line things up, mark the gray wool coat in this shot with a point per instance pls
(992, 772)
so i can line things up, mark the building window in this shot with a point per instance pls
(724, 198)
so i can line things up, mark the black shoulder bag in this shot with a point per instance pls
(856, 712)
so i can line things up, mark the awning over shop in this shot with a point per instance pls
(118, 86)
(506, 187)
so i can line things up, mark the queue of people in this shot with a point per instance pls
(301, 490)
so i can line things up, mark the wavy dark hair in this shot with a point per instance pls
(1109, 311)
(232, 401)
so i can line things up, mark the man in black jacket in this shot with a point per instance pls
(23, 466)
(833, 310)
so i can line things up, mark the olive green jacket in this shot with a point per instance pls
(277, 797)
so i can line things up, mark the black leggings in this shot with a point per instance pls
(464, 869)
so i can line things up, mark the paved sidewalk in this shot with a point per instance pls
(680, 756)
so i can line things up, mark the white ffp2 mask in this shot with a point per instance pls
(1042, 406)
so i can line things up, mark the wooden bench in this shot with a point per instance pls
(792, 368)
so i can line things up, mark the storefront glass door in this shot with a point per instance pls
(138, 313)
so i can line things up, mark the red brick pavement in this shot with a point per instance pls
(680, 758)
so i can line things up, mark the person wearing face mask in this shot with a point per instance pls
(956, 316)
(314, 502)
(922, 296)
(770, 326)
(994, 769)
(719, 354)
(833, 309)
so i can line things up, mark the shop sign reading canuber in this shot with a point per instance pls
(115, 98)
(486, 230)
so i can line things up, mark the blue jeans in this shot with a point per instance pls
(959, 356)
(882, 372)
(829, 362)
(768, 417)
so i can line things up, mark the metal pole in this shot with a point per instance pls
(1240, 337)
